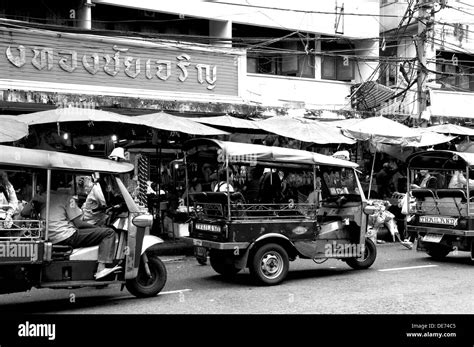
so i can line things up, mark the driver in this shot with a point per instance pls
(66, 227)
(8, 199)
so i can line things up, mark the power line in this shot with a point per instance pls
(305, 11)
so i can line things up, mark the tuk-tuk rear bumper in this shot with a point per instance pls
(444, 231)
(216, 245)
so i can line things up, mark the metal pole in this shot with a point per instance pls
(48, 200)
(227, 179)
(186, 180)
(371, 175)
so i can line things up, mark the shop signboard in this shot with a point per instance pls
(52, 60)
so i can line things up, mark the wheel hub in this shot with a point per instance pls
(271, 265)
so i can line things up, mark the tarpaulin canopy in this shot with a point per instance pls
(12, 129)
(452, 129)
(227, 121)
(74, 114)
(165, 121)
(382, 130)
(305, 130)
(244, 152)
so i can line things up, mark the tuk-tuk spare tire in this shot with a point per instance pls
(367, 260)
(142, 286)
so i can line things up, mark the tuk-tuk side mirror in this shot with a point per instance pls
(370, 209)
(143, 221)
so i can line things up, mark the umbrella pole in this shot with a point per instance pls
(372, 174)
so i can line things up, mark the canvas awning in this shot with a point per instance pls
(12, 129)
(243, 152)
(369, 95)
(305, 130)
(227, 121)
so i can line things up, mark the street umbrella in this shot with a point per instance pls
(381, 130)
(429, 138)
(305, 130)
(228, 122)
(74, 114)
(165, 121)
(452, 129)
(12, 129)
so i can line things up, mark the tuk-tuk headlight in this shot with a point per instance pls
(143, 221)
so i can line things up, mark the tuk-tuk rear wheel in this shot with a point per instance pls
(270, 264)
(367, 259)
(146, 286)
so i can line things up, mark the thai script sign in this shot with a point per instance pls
(86, 59)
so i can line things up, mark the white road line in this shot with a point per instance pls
(175, 291)
(407, 268)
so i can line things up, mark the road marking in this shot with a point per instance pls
(175, 291)
(407, 268)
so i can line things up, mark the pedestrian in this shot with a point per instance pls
(383, 178)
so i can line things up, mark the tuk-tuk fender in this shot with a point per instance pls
(242, 262)
(150, 240)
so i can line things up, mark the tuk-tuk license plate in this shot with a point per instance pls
(435, 238)
(201, 251)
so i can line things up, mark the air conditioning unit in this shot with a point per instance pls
(150, 14)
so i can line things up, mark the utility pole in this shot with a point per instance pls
(424, 24)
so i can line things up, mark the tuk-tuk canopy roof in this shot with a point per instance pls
(438, 159)
(41, 159)
(244, 152)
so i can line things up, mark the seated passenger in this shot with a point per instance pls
(222, 185)
(459, 181)
(252, 187)
(425, 180)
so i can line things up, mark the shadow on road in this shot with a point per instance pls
(245, 279)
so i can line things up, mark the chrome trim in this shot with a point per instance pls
(216, 245)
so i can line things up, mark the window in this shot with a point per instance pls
(283, 58)
(337, 65)
(458, 71)
(337, 68)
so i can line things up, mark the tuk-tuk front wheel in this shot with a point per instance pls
(366, 261)
(270, 264)
(221, 265)
(147, 285)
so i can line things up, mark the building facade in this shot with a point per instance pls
(191, 57)
(441, 46)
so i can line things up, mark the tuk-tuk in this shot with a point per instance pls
(442, 213)
(271, 205)
(29, 259)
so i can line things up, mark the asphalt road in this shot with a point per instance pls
(401, 281)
